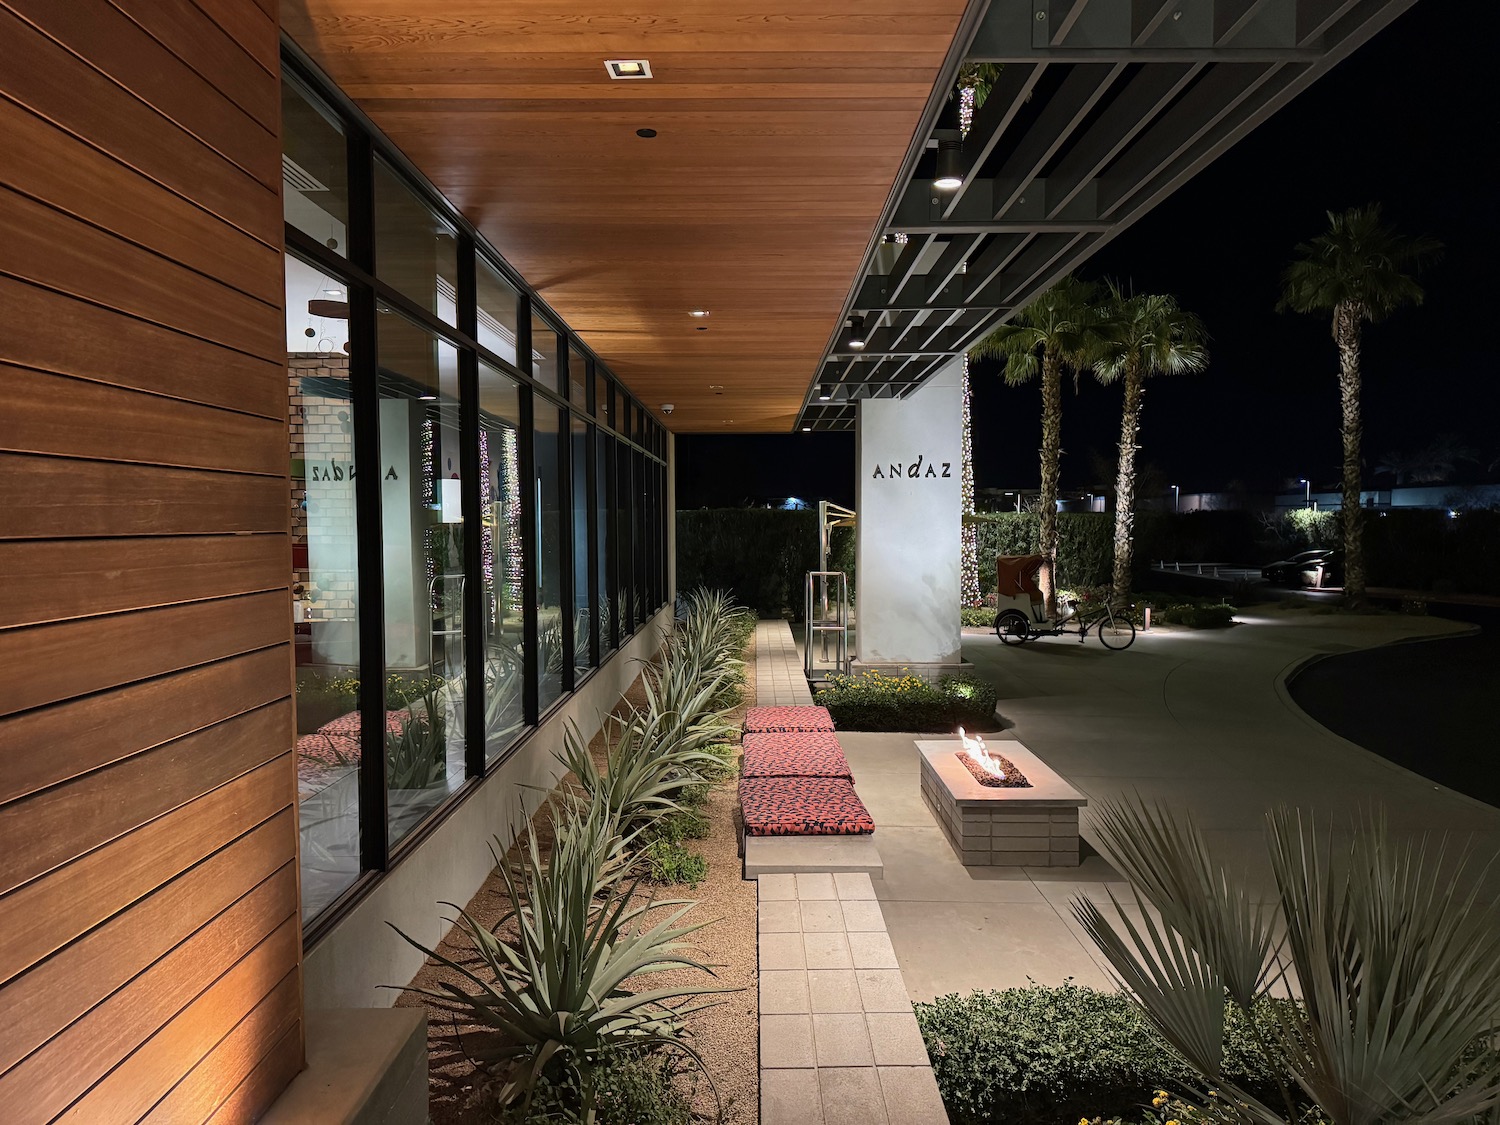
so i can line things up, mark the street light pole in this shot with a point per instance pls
(1176, 493)
(1307, 492)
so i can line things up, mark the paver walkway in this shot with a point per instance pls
(779, 681)
(838, 1041)
(839, 1044)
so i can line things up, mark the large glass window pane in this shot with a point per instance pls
(603, 449)
(314, 170)
(642, 534)
(498, 305)
(422, 538)
(544, 354)
(578, 373)
(583, 614)
(325, 589)
(503, 559)
(624, 540)
(416, 251)
(601, 397)
(547, 450)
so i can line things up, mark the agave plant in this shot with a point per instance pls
(559, 994)
(1395, 956)
(416, 751)
(645, 773)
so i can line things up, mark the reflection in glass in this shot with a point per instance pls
(583, 613)
(325, 591)
(625, 533)
(422, 534)
(601, 397)
(578, 373)
(416, 252)
(546, 452)
(544, 354)
(503, 562)
(316, 195)
(498, 303)
(603, 447)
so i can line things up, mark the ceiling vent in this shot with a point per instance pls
(296, 177)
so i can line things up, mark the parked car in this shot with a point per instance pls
(1316, 569)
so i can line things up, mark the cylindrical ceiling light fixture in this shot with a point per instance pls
(950, 146)
(950, 163)
(825, 392)
(857, 332)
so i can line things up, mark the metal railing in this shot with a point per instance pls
(826, 621)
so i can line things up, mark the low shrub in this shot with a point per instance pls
(630, 1087)
(978, 617)
(877, 701)
(1041, 1056)
(671, 862)
(1219, 616)
(687, 824)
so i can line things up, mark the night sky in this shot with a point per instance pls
(1410, 121)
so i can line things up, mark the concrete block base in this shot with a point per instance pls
(365, 1066)
(774, 855)
(994, 827)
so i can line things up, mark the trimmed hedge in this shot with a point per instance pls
(877, 701)
(1052, 1056)
(761, 555)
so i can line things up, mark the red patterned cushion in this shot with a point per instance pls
(795, 754)
(802, 806)
(758, 720)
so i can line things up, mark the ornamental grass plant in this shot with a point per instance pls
(579, 1034)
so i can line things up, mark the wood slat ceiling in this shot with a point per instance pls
(781, 127)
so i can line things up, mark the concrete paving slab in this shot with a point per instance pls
(853, 885)
(873, 951)
(790, 1097)
(911, 1095)
(827, 951)
(833, 990)
(782, 951)
(783, 992)
(852, 1096)
(842, 1040)
(895, 1039)
(786, 1041)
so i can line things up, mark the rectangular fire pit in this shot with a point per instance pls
(994, 827)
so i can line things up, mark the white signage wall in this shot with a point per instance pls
(910, 505)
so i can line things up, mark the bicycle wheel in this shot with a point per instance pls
(1115, 632)
(1012, 627)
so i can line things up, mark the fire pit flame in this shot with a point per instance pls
(976, 749)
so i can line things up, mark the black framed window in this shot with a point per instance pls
(476, 500)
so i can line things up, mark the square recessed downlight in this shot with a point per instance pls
(628, 68)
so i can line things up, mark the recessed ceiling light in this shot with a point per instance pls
(807, 429)
(628, 68)
(427, 398)
(698, 312)
(701, 327)
(647, 134)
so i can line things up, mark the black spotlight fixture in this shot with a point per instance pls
(950, 147)
(825, 392)
(857, 332)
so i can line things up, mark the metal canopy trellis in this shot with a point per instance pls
(1102, 109)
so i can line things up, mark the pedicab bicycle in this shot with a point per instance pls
(1022, 614)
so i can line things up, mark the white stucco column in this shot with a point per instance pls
(910, 512)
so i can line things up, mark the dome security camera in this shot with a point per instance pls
(667, 407)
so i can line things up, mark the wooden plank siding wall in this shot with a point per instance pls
(150, 944)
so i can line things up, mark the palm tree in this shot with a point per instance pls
(1360, 270)
(1140, 336)
(1051, 331)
